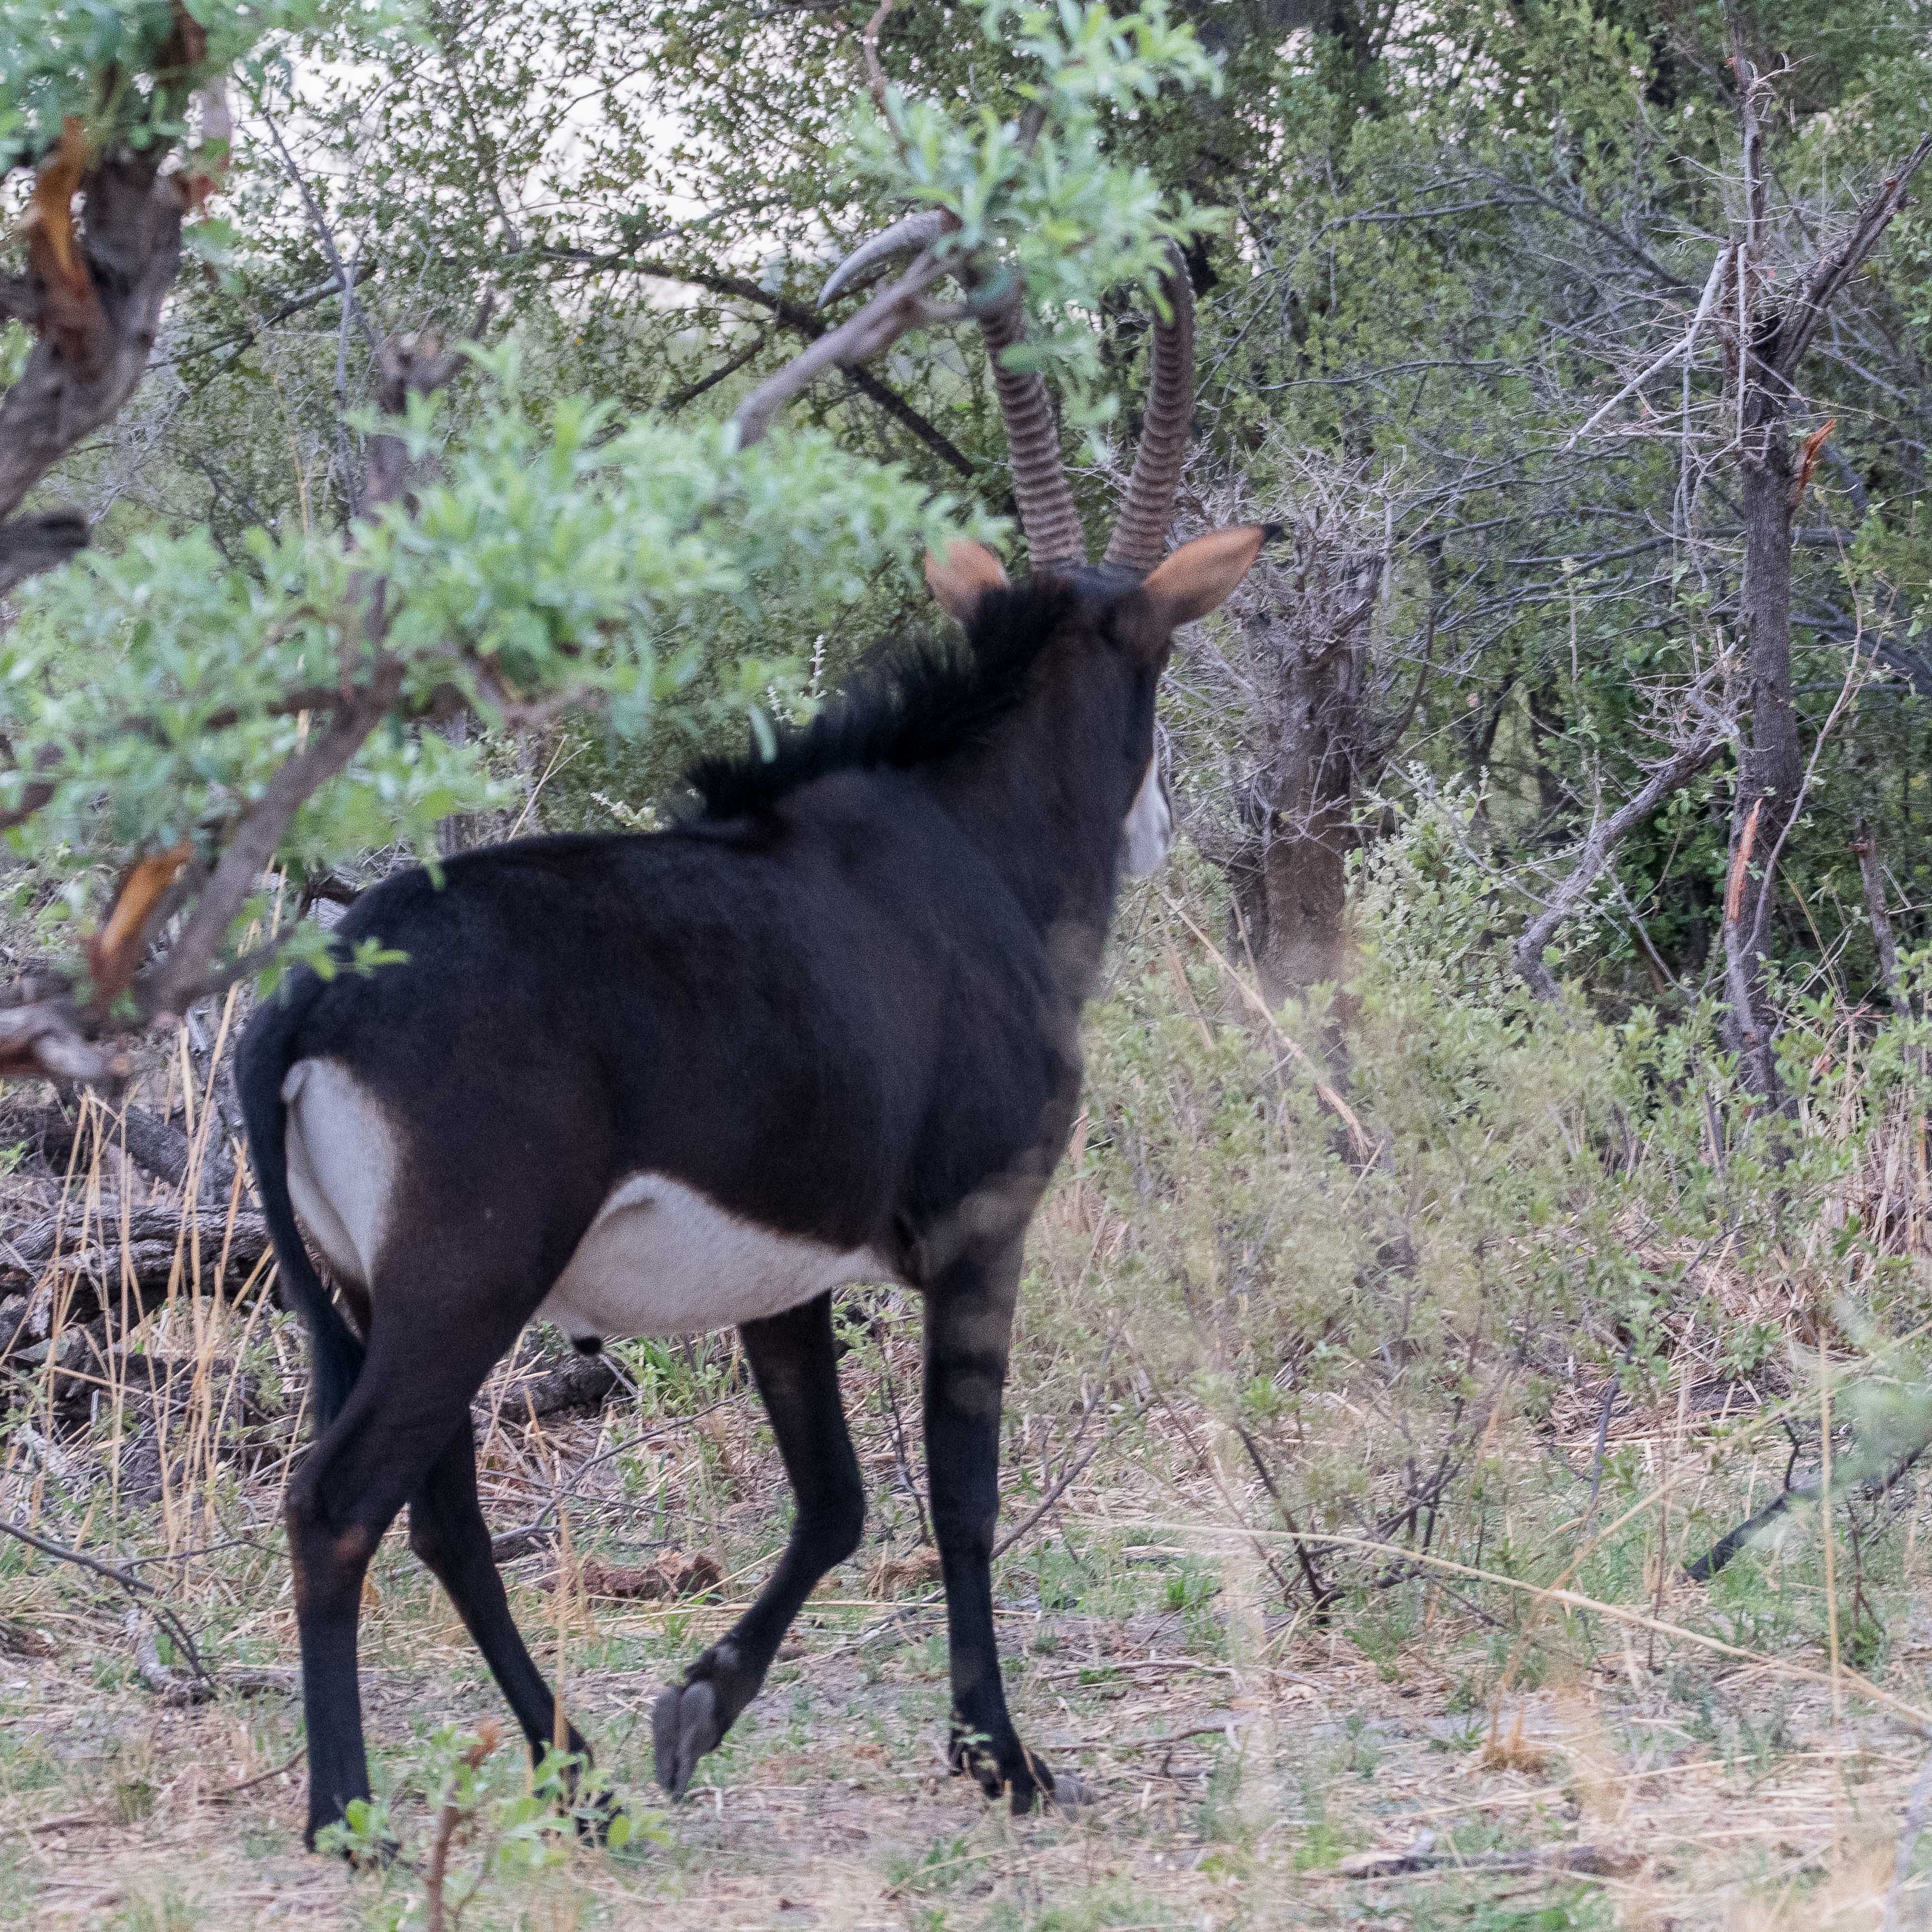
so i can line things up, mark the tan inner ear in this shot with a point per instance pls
(962, 575)
(1199, 576)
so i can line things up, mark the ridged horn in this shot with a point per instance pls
(1040, 489)
(1139, 541)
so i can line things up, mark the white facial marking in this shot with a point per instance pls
(342, 1165)
(662, 1259)
(1148, 829)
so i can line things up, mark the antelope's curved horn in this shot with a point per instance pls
(1047, 512)
(1139, 541)
(913, 232)
(1040, 489)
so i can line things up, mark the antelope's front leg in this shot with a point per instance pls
(794, 1361)
(969, 1324)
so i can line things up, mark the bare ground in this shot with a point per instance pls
(1249, 1762)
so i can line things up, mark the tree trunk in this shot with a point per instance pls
(1772, 767)
(1290, 883)
(1292, 904)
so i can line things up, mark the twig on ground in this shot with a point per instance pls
(1581, 1861)
(889, 1388)
(172, 1686)
(144, 1592)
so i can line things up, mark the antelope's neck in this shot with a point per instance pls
(1040, 801)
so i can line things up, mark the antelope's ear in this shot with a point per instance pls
(962, 575)
(1200, 576)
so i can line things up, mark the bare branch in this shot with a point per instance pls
(1679, 350)
(1834, 270)
(795, 316)
(888, 316)
(325, 235)
(868, 42)
(1678, 769)
(1865, 847)
(167, 987)
(725, 371)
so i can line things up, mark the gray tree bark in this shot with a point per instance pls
(1770, 341)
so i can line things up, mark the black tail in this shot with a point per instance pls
(262, 1064)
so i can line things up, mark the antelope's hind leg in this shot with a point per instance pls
(795, 1364)
(969, 1316)
(447, 1530)
(390, 1443)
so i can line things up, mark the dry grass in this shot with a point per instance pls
(1540, 1690)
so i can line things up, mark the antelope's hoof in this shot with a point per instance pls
(377, 1856)
(592, 1816)
(686, 1723)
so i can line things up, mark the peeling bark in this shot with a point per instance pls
(93, 297)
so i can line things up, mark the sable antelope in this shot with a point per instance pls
(823, 1030)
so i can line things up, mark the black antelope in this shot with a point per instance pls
(823, 1030)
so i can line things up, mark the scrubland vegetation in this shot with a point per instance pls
(1463, 1454)
(1357, 1447)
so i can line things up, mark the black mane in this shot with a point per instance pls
(909, 710)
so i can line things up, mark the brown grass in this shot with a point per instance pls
(1243, 1743)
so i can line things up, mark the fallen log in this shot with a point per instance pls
(79, 1369)
(583, 1382)
(83, 1254)
(156, 1146)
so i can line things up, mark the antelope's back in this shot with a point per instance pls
(831, 1024)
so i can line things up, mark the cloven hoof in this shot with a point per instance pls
(685, 1724)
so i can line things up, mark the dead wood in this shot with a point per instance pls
(163, 1244)
(157, 1146)
(665, 1578)
(893, 1576)
(1585, 1861)
(143, 1593)
(94, 298)
(181, 1688)
(1871, 874)
(582, 1383)
(1664, 779)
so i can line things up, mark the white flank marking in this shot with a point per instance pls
(660, 1258)
(342, 1165)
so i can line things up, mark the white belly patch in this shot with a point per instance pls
(661, 1258)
